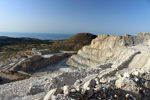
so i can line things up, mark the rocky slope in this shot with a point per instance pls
(74, 43)
(33, 60)
(105, 49)
(111, 68)
(4, 40)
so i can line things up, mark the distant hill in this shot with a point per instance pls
(3, 37)
(17, 44)
(74, 43)
(4, 40)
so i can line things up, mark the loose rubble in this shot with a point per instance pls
(124, 88)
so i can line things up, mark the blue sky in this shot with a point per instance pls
(74, 16)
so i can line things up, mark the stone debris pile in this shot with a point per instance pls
(128, 87)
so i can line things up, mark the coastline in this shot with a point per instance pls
(41, 36)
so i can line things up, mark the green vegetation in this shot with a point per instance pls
(18, 44)
(74, 43)
(7, 55)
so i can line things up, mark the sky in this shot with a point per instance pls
(74, 16)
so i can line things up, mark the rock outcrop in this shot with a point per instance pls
(105, 49)
(74, 43)
(37, 62)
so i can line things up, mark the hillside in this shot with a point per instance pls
(17, 44)
(14, 41)
(74, 43)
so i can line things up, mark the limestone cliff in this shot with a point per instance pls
(107, 48)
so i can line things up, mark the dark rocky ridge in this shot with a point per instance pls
(14, 41)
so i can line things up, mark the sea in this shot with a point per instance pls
(42, 36)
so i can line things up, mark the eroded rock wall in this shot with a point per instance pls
(37, 62)
(107, 48)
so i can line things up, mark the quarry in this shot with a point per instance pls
(110, 68)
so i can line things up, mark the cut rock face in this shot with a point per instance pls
(37, 62)
(108, 48)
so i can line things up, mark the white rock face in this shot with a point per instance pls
(147, 84)
(89, 84)
(67, 90)
(106, 49)
(50, 94)
(120, 83)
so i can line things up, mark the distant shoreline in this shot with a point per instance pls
(41, 36)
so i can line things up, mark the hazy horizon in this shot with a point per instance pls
(115, 17)
(42, 36)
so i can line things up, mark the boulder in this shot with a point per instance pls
(51, 94)
(120, 83)
(90, 83)
(97, 80)
(67, 90)
(77, 82)
(128, 84)
(147, 84)
(97, 89)
(78, 88)
(36, 58)
(89, 92)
